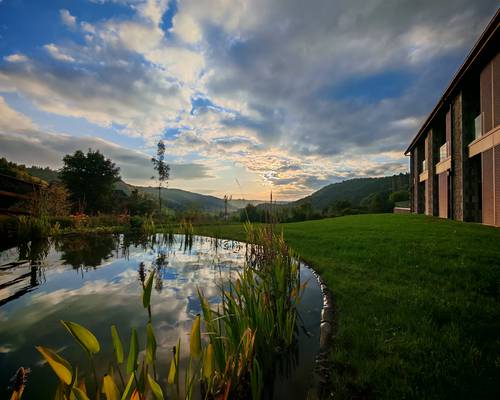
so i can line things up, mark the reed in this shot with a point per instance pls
(233, 357)
(256, 324)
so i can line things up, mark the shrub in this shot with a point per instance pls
(136, 223)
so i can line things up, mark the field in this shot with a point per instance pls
(417, 301)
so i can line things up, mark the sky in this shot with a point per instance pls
(250, 96)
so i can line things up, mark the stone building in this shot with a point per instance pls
(455, 156)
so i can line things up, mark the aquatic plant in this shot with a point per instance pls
(256, 323)
(33, 227)
(148, 227)
(234, 357)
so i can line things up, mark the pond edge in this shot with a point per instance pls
(322, 369)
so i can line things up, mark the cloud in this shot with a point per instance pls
(298, 96)
(55, 52)
(24, 142)
(67, 19)
(16, 57)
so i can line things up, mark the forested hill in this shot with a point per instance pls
(354, 190)
(176, 199)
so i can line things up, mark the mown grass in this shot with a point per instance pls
(417, 301)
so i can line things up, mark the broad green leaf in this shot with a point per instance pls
(128, 387)
(146, 294)
(172, 373)
(109, 388)
(83, 336)
(79, 394)
(59, 365)
(150, 344)
(155, 388)
(208, 362)
(133, 353)
(195, 339)
(117, 344)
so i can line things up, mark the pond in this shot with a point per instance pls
(93, 280)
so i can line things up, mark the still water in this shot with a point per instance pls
(93, 280)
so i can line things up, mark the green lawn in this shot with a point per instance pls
(418, 303)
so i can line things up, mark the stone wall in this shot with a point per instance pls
(457, 154)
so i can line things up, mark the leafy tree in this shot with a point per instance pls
(250, 213)
(90, 178)
(161, 167)
(140, 204)
(378, 202)
(401, 195)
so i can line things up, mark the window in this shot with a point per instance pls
(477, 127)
(424, 166)
(443, 152)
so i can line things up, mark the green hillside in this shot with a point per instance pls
(47, 174)
(176, 199)
(354, 190)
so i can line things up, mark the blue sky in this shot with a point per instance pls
(250, 95)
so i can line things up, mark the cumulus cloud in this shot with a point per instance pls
(23, 141)
(277, 87)
(67, 19)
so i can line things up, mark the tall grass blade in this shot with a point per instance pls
(117, 344)
(133, 353)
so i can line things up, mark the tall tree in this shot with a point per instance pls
(90, 178)
(161, 167)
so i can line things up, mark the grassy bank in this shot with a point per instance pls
(418, 303)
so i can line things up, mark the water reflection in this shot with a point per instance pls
(95, 280)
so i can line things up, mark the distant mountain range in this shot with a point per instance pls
(352, 190)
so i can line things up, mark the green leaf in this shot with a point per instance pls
(60, 366)
(128, 387)
(150, 344)
(174, 364)
(79, 394)
(117, 344)
(155, 388)
(146, 294)
(83, 336)
(195, 339)
(109, 388)
(133, 353)
(208, 362)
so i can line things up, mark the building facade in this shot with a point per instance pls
(455, 156)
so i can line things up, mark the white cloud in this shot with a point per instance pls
(56, 52)
(67, 19)
(11, 119)
(186, 28)
(16, 58)
(269, 73)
